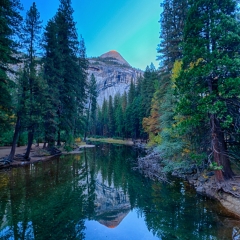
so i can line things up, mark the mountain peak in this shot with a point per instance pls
(116, 55)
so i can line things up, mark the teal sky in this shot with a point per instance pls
(128, 26)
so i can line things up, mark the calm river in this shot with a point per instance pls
(97, 195)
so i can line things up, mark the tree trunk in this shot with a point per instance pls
(224, 158)
(29, 146)
(220, 153)
(15, 136)
(219, 146)
(59, 139)
(88, 114)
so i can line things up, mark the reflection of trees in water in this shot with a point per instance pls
(51, 200)
(170, 211)
(46, 202)
(175, 212)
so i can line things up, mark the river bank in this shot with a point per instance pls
(37, 154)
(204, 182)
(111, 140)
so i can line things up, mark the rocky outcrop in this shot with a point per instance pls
(227, 192)
(230, 202)
(113, 74)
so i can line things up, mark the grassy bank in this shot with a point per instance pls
(111, 140)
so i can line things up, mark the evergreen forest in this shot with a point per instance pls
(188, 108)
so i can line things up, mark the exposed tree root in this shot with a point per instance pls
(21, 158)
(231, 186)
(4, 161)
(55, 151)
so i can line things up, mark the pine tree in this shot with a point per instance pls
(20, 110)
(118, 115)
(124, 101)
(119, 120)
(72, 93)
(111, 122)
(92, 106)
(131, 93)
(148, 85)
(172, 24)
(10, 22)
(94, 95)
(173, 146)
(104, 118)
(32, 30)
(170, 52)
(99, 122)
(52, 65)
(82, 88)
(208, 86)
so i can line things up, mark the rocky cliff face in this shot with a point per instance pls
(113, 74)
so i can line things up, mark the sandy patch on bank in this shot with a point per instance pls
(5, 151)
(35, 154)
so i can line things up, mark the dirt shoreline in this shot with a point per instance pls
(4, 152)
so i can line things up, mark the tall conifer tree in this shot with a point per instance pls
(31, 38)
(92, 106)
(171, 36)
(208, 85)
(72, 93)
(10, 22)
(53, 75)
(111, 120)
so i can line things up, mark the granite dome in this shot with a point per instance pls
(115, 55)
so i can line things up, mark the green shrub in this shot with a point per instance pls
(6, 138)
(23, 139)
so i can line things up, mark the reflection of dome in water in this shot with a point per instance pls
(111, 205)
(113, 219)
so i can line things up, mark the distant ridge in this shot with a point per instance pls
(114, 54)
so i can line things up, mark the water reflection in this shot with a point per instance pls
(97, 190)
(111, 204)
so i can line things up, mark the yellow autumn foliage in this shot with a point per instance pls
(176, 71)
(151, 123)
(194, 64)
(78, 140)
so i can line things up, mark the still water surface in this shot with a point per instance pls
(97, 195)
